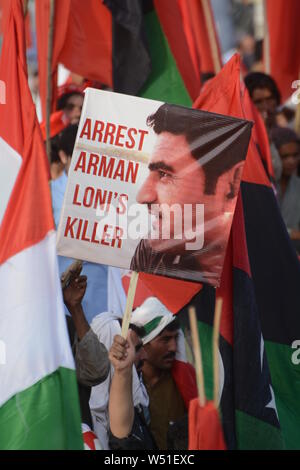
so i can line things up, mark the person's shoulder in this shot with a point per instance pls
(105, 324)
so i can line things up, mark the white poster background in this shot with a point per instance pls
(122, 110)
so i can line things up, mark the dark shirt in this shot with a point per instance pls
(140, 437)
(166, 406)
(186, 266)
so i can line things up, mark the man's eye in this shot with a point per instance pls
(163, 174)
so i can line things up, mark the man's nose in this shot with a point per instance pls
(143, 355)
(147, 193)
(172, 346)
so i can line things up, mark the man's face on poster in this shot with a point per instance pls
(176, 178)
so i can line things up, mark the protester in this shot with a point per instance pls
(106, 326)
(168, 379)
(266, 97)
(58, 122)
(70, 100)
(95, 300)
(91, 357)
(288, 145)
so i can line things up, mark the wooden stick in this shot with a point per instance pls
(197, 355)
(49, 78)
(212, 36)
(67, 274)
(129, 303)
(267, 57)
(216, 330)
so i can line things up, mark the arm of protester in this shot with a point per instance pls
(73, 294)
(121, 409)
(295, 234)
(91, 356)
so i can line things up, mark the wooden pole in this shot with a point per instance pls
(267, 57)
(49, 76)
(25, 7)
(197, 355)
(129, 303)
(216, 331)
(212, 35)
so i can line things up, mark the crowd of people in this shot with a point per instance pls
(130, 395)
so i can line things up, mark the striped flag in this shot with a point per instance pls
(259, 370)
(39, 406)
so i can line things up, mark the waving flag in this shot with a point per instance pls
(260, 290)
(284, 44)
(38, 394)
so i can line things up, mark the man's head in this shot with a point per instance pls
(288, 146)
(160, 333)
(71, 101)
(264, 93)
(191, 164)
(66, 144)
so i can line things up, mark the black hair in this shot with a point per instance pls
(173, 326)
(284, 135)
(54, 157)
(67, 139)
(139, 330)
(62, 101)
(183, 121)
(261, 80)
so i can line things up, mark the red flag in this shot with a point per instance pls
(82, 42)
(205, 430)
(170, 17)
(173, 293)
(284, 39)
(201, 35)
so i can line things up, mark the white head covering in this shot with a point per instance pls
(153, 316)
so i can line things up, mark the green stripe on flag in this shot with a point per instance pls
(255, 434)
(286, 385)
(165, 82)
(45, 416)
(205, 336)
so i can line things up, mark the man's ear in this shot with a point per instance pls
(63, 157)
(235, 176)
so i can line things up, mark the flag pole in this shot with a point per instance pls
(197, 355)
(129, 303)
(212, 35)
(49, 76)
(216, 331)
(267, 57)
(25, 7)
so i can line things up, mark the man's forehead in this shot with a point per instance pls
(167, 332)
(170, 147)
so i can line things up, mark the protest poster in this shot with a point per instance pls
(152, 187)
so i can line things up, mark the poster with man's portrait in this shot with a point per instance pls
(152, 187)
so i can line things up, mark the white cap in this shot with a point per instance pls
(153, 316)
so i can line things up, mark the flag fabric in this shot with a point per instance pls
(173, 76)
(82, 42)
(260, 284)
(163, 288)
(201, 36)
(284, 43)
(39, 407)
(205, 429)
